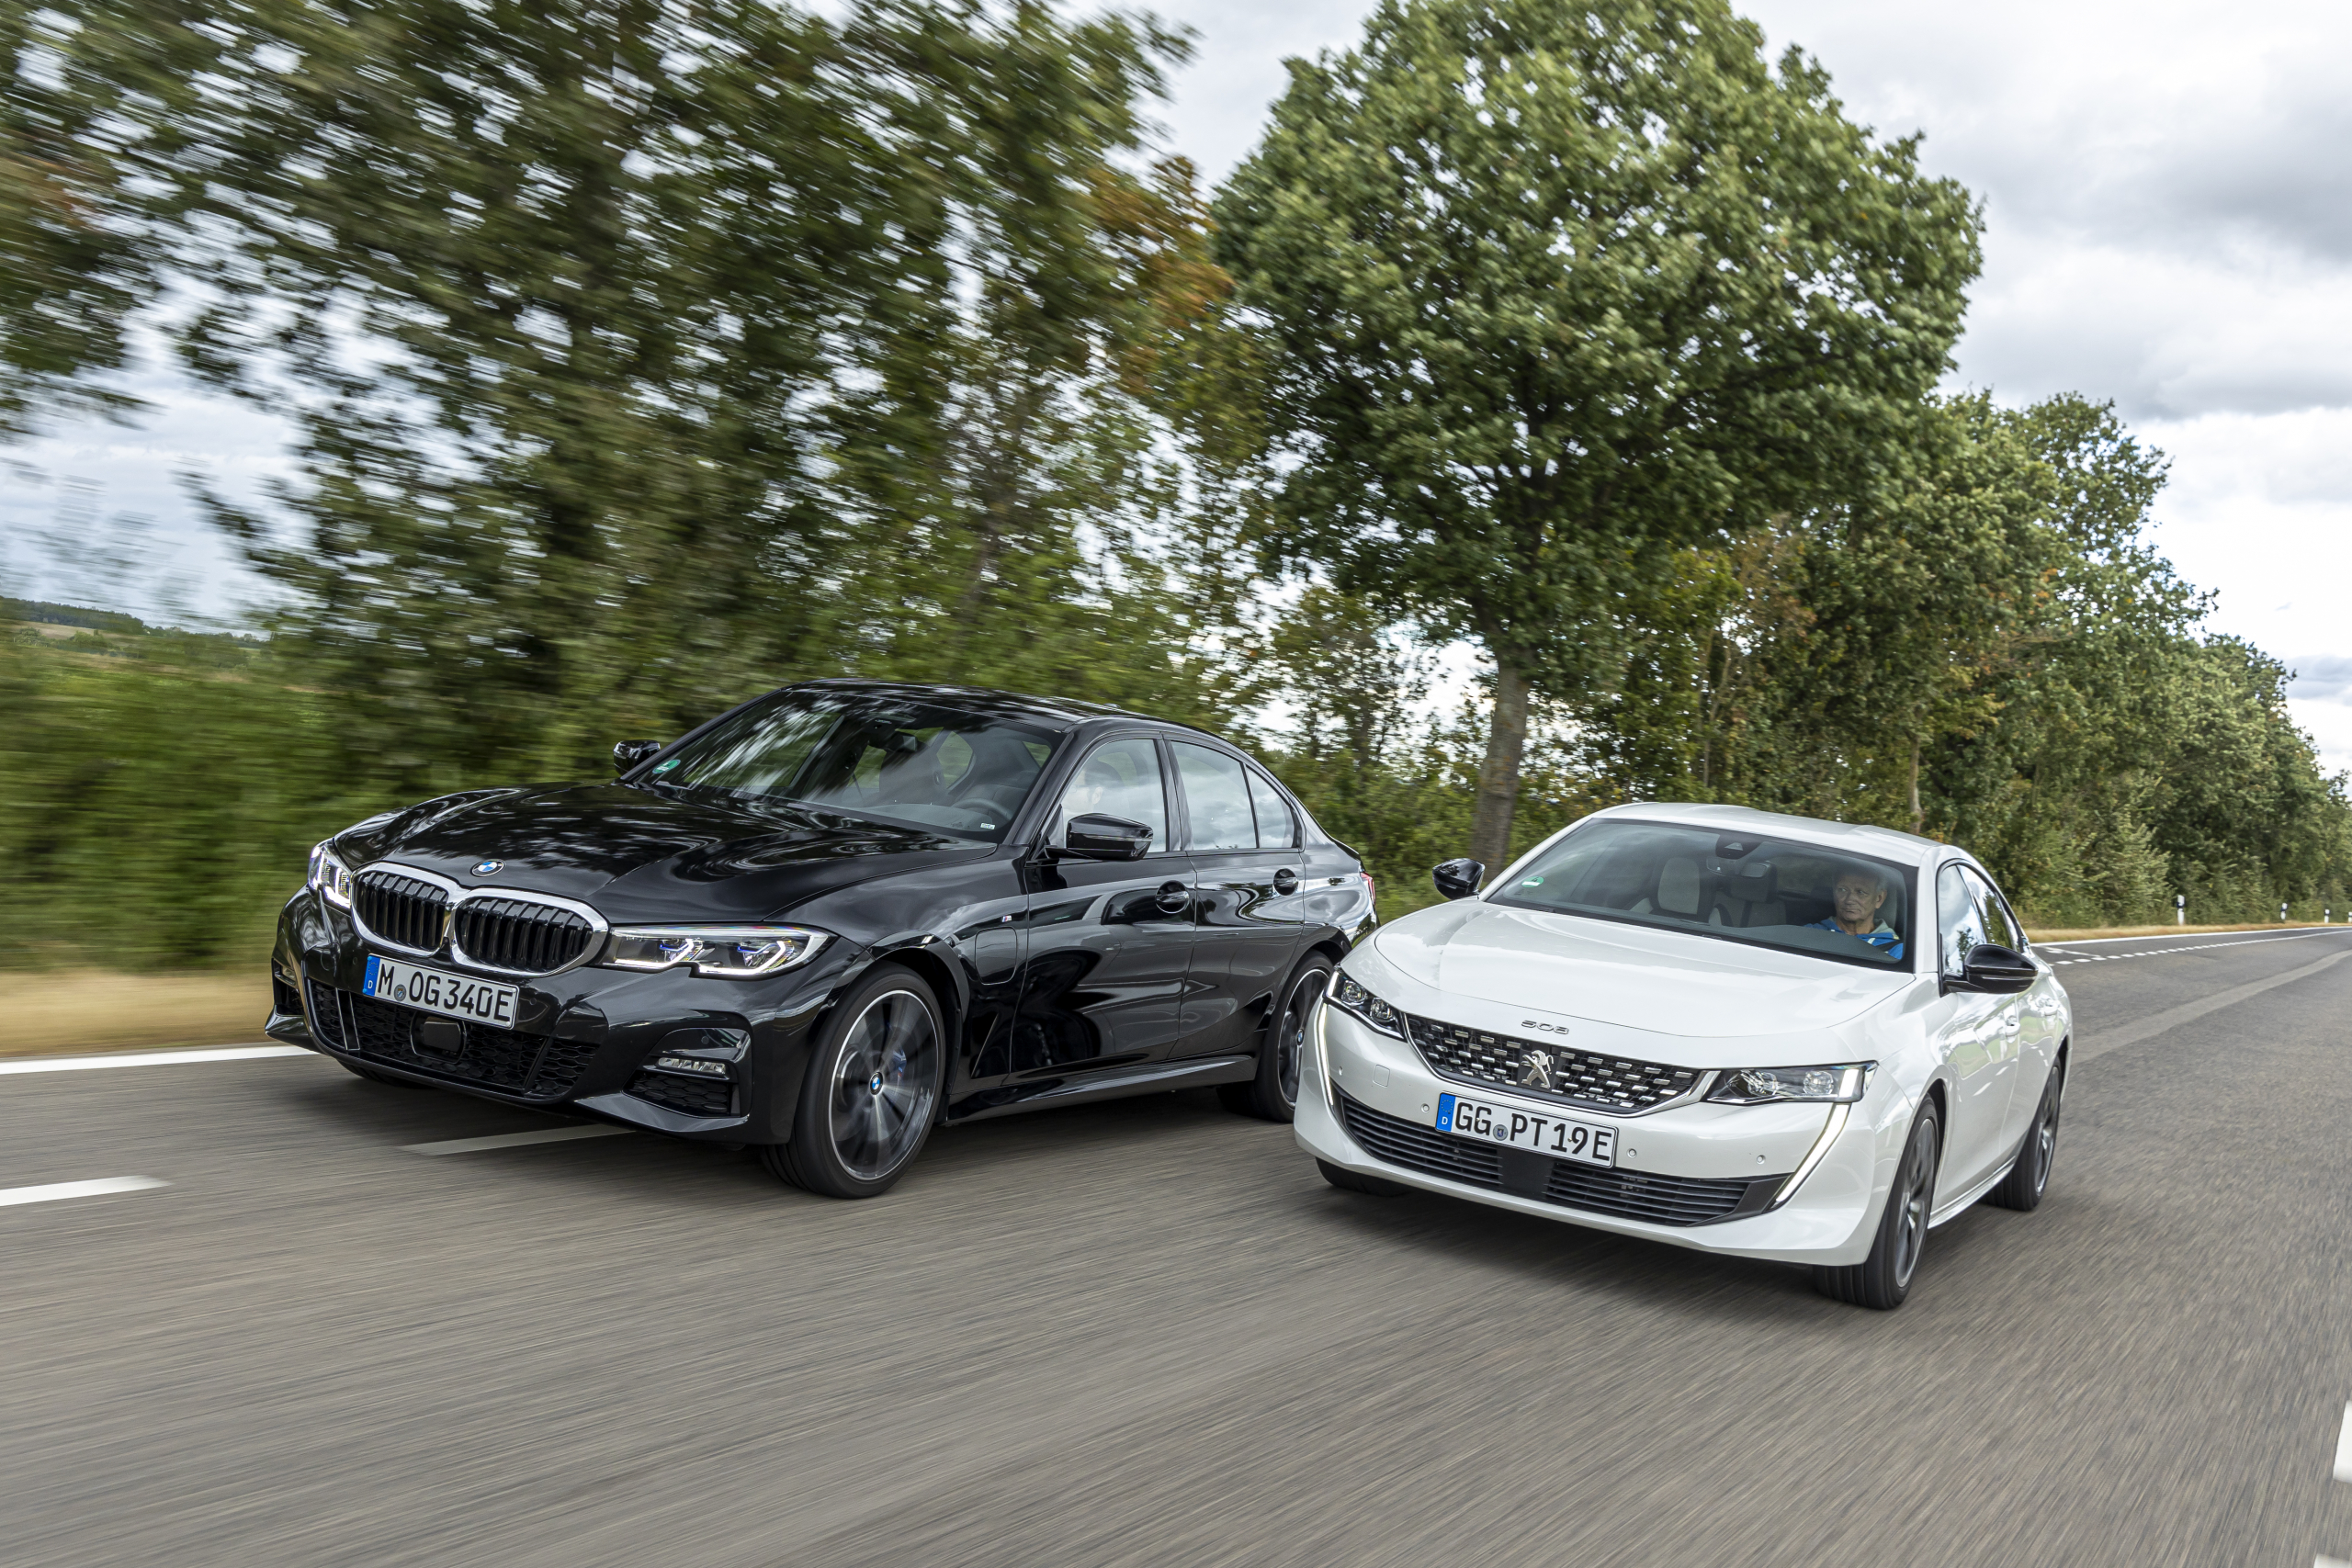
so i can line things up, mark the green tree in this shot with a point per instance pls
(1553, 289)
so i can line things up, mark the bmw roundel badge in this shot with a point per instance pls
(489, 867)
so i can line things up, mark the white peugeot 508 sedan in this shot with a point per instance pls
(1760, 1035)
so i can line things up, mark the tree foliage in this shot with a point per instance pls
(645, 356)
(1553, 289)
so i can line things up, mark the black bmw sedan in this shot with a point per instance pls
(832, 919)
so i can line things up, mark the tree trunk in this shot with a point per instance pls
(1919, 816)
(1499, 775)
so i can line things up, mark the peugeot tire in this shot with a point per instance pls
(2028, 1178)
(1883, 1279)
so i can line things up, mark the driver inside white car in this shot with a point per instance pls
(1857, 896)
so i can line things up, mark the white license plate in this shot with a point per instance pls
(452, 996)
(1519, 1128)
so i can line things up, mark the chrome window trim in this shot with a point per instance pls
(599, 928)
(454, 889)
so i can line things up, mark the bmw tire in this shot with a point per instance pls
(872, 1092)
(1272, 1095)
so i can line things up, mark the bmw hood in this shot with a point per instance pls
(1629, 976)
(647, 855)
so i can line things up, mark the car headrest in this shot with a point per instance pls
(1677, 886)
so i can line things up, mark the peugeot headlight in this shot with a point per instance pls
(1347, 994)
(329, 876)
(1816, 1085)
(732, 952)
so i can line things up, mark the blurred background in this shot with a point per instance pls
(631, 359)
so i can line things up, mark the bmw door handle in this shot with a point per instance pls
(1173, 898)
(1286, 881)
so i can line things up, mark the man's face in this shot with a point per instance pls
(1859, 898)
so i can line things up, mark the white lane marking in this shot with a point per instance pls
(517, 1140)
(2164, 951)
(98, 1188)
(2172, 1018)
(2330, 1563)
(152, 1058)
(2344, 1448)
(2285, 933)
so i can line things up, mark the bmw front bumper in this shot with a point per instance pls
(587, 1040)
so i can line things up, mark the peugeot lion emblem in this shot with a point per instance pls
(1535, 1070)
(489, 867)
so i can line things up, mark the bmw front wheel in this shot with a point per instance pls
(872, 1091)
(1273, 1093)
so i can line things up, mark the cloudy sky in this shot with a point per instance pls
(2169, 225)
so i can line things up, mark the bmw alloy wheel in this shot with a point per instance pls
(885, 1082)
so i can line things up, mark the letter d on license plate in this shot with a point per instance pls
(1519, 1127)
(437, 990)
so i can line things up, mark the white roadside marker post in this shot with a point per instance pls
(2180, 909)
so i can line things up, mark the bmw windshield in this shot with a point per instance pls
(1742, 887)
(957, 769)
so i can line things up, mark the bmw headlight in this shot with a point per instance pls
(731, 952)
(1350, 997)
(329, 876)
(1770, 1085)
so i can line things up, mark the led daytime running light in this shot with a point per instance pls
(328, 876)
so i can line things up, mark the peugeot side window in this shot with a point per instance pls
(1999, 925)
(1958, 919)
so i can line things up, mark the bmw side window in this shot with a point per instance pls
(1277, 825)
(1118, 779)
(1216, 799)
(1959, 922)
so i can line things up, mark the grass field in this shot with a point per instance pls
(63, 1012)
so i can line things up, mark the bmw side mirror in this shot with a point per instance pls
(1095, 837)
(1459, 878)
(1995, 970)
(629, 753)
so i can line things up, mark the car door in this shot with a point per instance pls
(2023, 1070)
(1108, 942)
(1972, 1030)
(1249, 898)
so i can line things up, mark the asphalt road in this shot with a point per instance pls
(1148, 1332)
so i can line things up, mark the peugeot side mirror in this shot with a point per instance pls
(629, 753)
(1094, 837)
(1459, 878)
(1995, 970)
